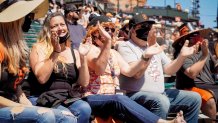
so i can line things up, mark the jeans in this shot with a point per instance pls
(119, 105)
(172, 100)
(79, 108)
(32, 114)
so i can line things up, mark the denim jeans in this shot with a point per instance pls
(32, 114)
(79, 108)
(119, 105)
(172, 100)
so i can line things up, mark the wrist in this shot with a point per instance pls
(56, 51)
(146, 59)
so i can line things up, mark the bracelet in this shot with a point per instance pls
(56, 51)
(145, 59)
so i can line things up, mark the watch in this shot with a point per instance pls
(145, 59)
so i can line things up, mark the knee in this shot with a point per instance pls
(195, 98)
(46, 115)
(81, 108)
(85, 109)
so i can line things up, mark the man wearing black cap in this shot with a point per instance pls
(77, 31)
(147, 86)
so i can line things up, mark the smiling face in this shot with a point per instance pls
(58, 25)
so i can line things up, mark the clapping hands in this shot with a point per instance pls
(84, 48)
(153, 50)
(188, 51)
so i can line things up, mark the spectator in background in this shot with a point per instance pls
(146, 87)
(196, 73)
(14, 105)
(77, 31)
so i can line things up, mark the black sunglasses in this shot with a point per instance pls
(108, 29)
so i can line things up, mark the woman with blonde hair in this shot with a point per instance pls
(59, 71)
(14, 106)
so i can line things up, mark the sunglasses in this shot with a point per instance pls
(194, 39)
(109, 29)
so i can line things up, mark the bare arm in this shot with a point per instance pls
(98, 58)
(197, 67)
(6, 102)
(129, 70)
(82, 65)
(175, 65)
(41, 66)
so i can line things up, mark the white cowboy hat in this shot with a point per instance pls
(11, 10)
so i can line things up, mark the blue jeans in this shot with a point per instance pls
(79, 108)
(172, 101)
(32, 114)
(119, 105)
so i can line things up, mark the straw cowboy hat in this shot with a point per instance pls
(186, 31)
(11, 10)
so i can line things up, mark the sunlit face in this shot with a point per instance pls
(58, 25)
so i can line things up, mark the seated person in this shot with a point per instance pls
(147, 86)
(58, 71)
(196, 73)
(14, 105)
(105, 65)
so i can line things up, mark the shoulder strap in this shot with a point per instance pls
(73, 54)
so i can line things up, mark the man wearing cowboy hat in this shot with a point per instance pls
(147, 86)
(196, 73)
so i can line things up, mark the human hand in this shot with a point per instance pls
(188, 51)
(55, 42)
(104, 34)
(153, 50)
(84, 48)
(152, 36)
(204, 48)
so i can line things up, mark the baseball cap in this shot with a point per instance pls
(139, 19)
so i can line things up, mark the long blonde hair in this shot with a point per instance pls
(45, 38)
(14, 47)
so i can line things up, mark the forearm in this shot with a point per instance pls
(196, 68)
(137, 69)
(83, 72)
(8, 103)
(44, 69)
(175, 65)
(102, 60)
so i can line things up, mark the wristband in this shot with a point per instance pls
(145, 59)
(56, 51)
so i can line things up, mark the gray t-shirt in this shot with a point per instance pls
(153, 79)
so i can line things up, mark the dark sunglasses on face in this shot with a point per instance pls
(194, 39)
(108, 29)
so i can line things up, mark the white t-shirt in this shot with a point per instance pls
(153, 79)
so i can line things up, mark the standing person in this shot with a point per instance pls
(196, 73)
(105, 65)
(147, 86)
(59, 70)
(15, 107)
(77, 31)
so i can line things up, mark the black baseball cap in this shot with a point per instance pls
(101, 19)
(139, 19)
(69, 8)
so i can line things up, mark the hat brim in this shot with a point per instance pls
(181, 40)
(148, 22)
(22, 8)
